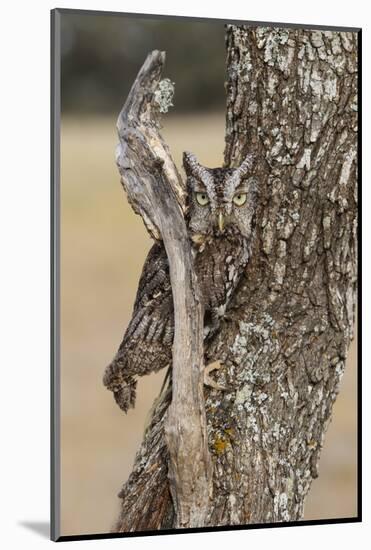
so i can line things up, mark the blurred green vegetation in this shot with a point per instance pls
(101, 55)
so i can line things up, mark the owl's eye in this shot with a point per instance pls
(240, 199)
(202, 199)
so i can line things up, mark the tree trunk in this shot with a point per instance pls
(292, 101)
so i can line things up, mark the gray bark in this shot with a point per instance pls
(292, 101)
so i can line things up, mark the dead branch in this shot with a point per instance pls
(155, 191)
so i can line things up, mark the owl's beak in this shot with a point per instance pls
(221, 221)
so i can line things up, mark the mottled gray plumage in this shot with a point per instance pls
(220, 211)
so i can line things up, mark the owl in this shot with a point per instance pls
(219, 217)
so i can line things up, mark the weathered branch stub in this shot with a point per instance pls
(155, 191)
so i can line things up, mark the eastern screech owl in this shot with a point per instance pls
(220, 212)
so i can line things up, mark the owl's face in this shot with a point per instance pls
(221, 201)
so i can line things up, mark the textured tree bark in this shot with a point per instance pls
(155, 191)
(292, 101)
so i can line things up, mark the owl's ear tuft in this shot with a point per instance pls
(246, 165)
(190, 163)
(253, 186)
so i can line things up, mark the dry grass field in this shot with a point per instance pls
(103, 245)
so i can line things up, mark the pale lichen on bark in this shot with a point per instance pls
(164, 95)
(292, 101)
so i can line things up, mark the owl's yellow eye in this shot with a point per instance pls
(202, 199)
(239, 199)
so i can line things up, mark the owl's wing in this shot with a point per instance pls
(146, 346)
(154, 297)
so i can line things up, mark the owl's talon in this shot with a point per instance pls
(209, 381)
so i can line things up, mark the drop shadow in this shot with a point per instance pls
(42, 528)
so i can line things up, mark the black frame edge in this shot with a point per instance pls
(213, 19)
(55, 111)
(99, 536)
(359, 281)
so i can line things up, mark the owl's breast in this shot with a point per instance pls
(218, 267)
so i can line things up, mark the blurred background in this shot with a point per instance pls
(101, 56)
(103, 246)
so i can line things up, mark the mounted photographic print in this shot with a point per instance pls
(204, 274)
